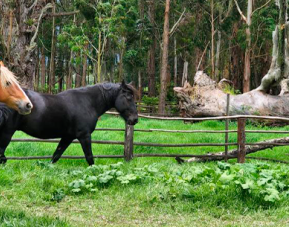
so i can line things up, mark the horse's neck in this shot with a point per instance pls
(106, 98)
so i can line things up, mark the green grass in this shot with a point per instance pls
(28, 188)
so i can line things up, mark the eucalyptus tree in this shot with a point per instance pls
(20, 30)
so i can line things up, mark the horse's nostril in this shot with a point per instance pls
(28, 105)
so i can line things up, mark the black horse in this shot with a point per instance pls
(69, 115)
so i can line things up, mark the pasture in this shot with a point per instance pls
(145, 191)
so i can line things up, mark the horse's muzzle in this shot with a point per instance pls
(132, 121)
(24, 108)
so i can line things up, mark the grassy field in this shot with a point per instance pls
(146, 191)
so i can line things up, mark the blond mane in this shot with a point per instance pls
(6, 76)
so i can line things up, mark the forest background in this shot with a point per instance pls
(56, 45)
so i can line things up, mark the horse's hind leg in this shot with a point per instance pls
(63, 144)
(86, 147)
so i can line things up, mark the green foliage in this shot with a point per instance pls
(29, 22)
(150, 100)
(58, 195)
(261, 183)
(230, 90)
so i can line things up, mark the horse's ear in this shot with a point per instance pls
(123, 84)
(131, 83)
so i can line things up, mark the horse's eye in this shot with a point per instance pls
(8, 84)
(129, 96)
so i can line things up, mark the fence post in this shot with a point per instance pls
(241, 140)
(227, 127)
(128, 142)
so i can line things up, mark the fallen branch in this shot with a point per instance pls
(248, 149)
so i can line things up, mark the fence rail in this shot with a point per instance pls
(129, 144)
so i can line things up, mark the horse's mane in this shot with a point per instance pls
(134, 90)
(6, 76)
(107, 86)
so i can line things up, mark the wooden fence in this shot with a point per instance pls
(129, 143)
(152, 109)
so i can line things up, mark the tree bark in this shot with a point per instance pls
(185, 73)
(26, 21)
(43, 69)
(99, 54)
(247, 66)
(84, 69)
(152, 51)
(279, 69)
(207, 99)
(237, 60)
(52, 55)
(164, 70)
(36, 85)
(69, 75)
(218, 51)
(77, 74)
(212, 40)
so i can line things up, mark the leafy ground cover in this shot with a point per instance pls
(146, 191)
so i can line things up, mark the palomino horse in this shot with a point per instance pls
(11, 93)
(69, 115)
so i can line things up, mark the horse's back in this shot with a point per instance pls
(56, 116)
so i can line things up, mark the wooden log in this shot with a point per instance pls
(241, 140)
(128, 144)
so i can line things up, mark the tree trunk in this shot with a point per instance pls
(52, 56)
(120, 68)
(69, 75)
(236, 61)
(175, 62)
(69, 81)
(99, 58)
(23, 46)
(212, 40)
(185, 73)
(61, 72)
(279, 69)
(152, 51)
(207, 99)
(43, 68)
(164, 70)
(36, 85)
(84, 69)
(218, 51)
(247, 66)
(77, 74)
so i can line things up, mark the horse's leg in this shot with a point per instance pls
(63, 144)
(5, 138)
(85, 142)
